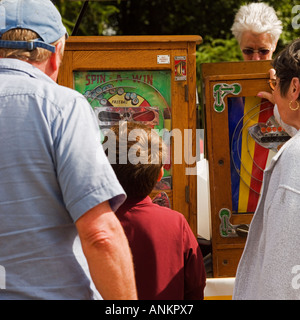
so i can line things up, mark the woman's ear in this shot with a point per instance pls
(295, 88)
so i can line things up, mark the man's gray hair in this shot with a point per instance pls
(258, 18)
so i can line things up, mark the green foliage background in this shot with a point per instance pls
(210, 19)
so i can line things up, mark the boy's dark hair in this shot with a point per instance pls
(138, 169)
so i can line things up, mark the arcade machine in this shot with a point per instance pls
(148, 79)
(242, 136)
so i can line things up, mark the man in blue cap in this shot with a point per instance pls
(55, 180)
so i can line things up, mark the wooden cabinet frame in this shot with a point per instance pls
(141, 53)
(252, 78)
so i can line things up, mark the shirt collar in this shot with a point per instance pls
(16, 65)
(129, 203)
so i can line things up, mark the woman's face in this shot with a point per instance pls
(257, 46)
(285, 103)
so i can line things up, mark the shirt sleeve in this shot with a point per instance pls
(194, 270)
(85, 176)
(280, 226)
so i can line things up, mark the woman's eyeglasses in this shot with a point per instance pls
(250, 52)
(272, 84)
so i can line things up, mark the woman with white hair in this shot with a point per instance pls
(257, 29)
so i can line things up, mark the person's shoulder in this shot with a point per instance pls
(69, 92)
(147, 206)
(168, 211)
(292, 148)
(63, 96)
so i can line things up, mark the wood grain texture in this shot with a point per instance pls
(252, 76)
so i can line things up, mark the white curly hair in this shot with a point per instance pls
(258, 18)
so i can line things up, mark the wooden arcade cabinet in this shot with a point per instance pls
(241, 139)
(151, 79)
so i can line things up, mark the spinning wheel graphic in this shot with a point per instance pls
(254, 140)
(117, 98)
(242, 126)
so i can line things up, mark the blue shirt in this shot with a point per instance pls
(52, 170)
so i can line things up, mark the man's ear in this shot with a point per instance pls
(56, 57)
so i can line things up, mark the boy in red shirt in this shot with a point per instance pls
(167, 258)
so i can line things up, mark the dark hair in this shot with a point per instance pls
(141, 143)
(287, 65)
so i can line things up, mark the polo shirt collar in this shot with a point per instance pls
(16, 66)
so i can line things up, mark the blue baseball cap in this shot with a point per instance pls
(40, 16)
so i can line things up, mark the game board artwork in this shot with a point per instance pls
(140, 96)
(254, 137)
(134, 91)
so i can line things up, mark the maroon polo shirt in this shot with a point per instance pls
(167, 258)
